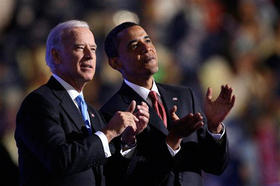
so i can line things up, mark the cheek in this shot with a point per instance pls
(75, 60)
(154, 50)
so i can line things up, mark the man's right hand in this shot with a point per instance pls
(182, 127)
(129, 135)
(121, 121)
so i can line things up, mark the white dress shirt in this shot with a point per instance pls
(73, 93)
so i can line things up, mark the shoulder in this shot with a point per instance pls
(40, 98)
(114, 103)
(173, 87)
(177, 89)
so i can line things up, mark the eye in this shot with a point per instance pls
(134, 45)
(93, 49)
(148, 40)
(79, 47)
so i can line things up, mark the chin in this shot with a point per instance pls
(88, 77)
(154, 70)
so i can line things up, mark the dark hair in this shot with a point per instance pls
(111, 43)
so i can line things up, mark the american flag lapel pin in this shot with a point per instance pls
(92, 115)
(175, 99)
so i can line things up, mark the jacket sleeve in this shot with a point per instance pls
(213, 153)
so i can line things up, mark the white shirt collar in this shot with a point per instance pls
(73, 93)
(142, 91)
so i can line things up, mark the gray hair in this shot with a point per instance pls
(54, 37)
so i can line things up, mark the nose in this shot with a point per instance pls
(88, 53)
(145, 47)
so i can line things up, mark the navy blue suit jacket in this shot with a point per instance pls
(152, 163)
(53, 144)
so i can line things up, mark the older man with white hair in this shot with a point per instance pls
(61, 139)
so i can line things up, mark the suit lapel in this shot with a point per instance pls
(128, 94)
(66, 103)
(95, 123)
(168, 100)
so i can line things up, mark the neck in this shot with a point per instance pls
(76, 84)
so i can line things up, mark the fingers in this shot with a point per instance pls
(232, 101)
(197, 122)
(198, 125)
(173, 109)
(128, 119)
(192, 118)
(140, 126)
(143, 108)
(173, 113)
(131, 107)
(187, 125)
(209, 94)
(197, 117)
(135, 118)
(226, 92)
(143, 115)
(143, 120)
(119, 122)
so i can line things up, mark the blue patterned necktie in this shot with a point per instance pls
(83, 108)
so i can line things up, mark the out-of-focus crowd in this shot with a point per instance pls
(200, 44)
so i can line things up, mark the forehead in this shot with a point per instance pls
(78, 34)
(132, 33)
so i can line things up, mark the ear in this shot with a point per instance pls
(115, 63)
(55, 56)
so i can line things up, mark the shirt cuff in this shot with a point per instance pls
(105, 143)
(128, 153)
(173, 152)
(218, 136)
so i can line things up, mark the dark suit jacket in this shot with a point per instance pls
(53, 144)
(152, 163)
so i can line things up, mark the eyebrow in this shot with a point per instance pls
(79, 44)
(95, 46)
(132, 41)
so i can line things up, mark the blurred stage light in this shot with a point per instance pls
(6, 11)
(123, 16)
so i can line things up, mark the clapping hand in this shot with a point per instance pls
(217, 110)
(185, 126)
(143, 116)
(120, 122)
(182, 127)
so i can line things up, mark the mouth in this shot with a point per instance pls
(86, 66)
(148, 58)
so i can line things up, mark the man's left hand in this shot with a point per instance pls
(217, 110)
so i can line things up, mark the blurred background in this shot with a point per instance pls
(200, 44)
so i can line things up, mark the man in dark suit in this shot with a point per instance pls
(61, 140)
(181, 140)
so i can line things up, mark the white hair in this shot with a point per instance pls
(54, 37)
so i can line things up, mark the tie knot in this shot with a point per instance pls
(80, 99)
(153, 96)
